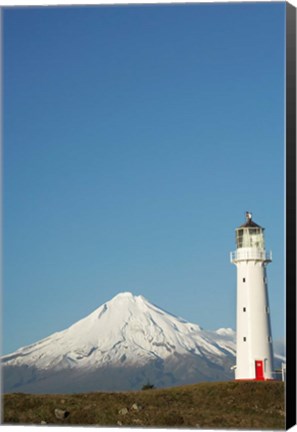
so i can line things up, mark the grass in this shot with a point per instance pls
(239, 405)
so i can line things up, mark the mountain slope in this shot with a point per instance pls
(120, 346)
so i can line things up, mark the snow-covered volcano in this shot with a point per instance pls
(121, 345)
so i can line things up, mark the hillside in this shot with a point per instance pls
(243, 405)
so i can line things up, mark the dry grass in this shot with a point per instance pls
(243, 405)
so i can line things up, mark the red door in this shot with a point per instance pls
(259, 370)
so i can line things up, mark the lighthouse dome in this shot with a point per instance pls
(250, 224)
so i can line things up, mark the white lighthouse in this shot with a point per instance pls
(254, 358)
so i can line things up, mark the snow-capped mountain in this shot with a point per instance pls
(122, 345)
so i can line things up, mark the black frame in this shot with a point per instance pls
(291, 214)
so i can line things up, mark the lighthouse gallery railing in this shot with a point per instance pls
(250, 255)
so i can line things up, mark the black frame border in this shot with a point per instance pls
(290, 215)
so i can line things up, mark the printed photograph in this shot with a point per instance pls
(144, 215)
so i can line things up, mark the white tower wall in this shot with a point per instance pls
(254, 341)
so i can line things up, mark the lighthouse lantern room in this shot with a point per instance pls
(254, 353)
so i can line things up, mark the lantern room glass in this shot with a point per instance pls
(250, 238)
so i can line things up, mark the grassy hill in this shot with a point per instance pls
(245, 405)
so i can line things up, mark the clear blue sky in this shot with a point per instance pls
(135, 138)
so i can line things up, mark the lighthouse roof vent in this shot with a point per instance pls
(249, 222)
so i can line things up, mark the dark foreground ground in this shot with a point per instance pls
(243, 405)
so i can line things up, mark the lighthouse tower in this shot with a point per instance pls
(254, 358)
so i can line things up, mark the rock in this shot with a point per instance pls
(123, 411)
(119, 423)
(137, 421)
(136, 407)
(43, 422)
(61, 414)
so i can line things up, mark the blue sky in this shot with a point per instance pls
(135, 138)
